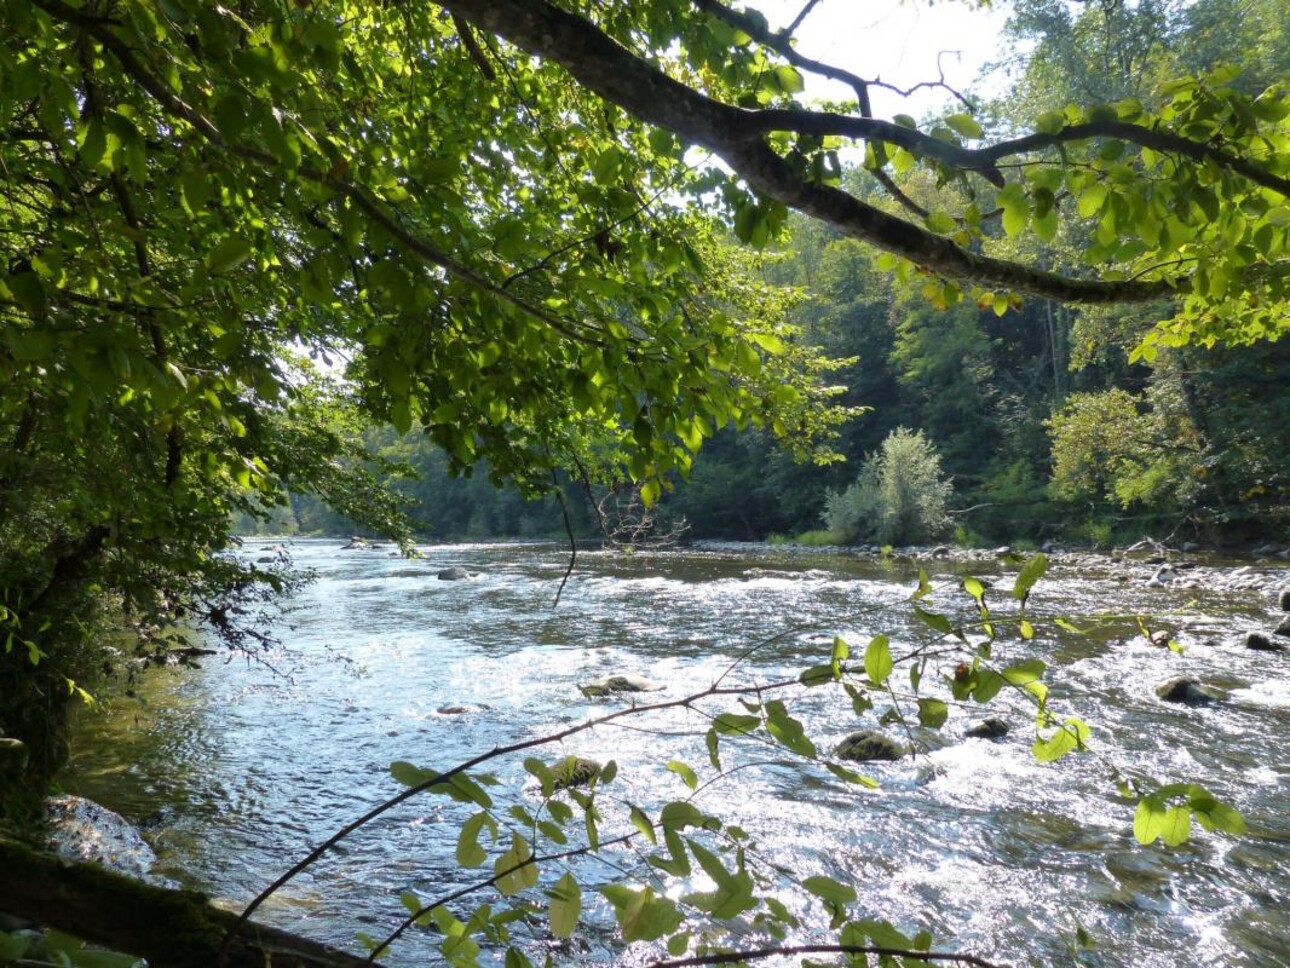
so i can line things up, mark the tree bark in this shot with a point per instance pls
(172, 929)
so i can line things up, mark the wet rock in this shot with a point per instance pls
(1185, 690)
(619, 683)
(265, 560)
(991, 728)
(1283, 628)
(1190, 547)
(1267, 549)
(869, 745)
(1164, 575)
(1261, 643)
(1160, 638)
(1004, 551)
(573, 771)
(82, 830)
(455, 573)
(355, 543)
(463, 709)
(1283, 599)
(941, 551)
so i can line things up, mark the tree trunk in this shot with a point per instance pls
(170, 928)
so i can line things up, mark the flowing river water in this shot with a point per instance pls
(239, 768)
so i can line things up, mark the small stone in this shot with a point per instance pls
(992, 728)
(619, 683)
(455, 573)
(1003, 551)
(869, 745)
(1186, 690)
(1261, 643)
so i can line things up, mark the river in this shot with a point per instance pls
(240, 767)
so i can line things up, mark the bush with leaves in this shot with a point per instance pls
(899, 498)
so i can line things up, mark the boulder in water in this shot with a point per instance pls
(1283, 599)
(991, 728)
(869, 744)
(356, 543)
(1185, 690)
(573, 771)
(619, 683)
(1283, 628)
(1261, 643)
(81, 830)
(455, 573)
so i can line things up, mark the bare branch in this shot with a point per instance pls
(734, 957)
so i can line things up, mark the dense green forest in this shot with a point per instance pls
(482, 267)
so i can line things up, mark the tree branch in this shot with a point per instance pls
(734, 957)
(602, 65)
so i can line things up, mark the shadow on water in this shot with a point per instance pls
(241, 770)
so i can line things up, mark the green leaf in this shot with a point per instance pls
(641, 821)
(965, 125)
(787, 730)
(469, 851)
(1031, 572)
(789, 79)
(228, 255)
(940, 222)
(878, 663)
(684, 772)
(850, 776)
(827, 889)
(1071, 735)
(727, 724)
(565, 906)
(410, 775)
(642, 915)
(514, 869)
(608, 163)
(932, 713)
(936, 621)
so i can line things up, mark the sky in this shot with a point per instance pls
(895, 40)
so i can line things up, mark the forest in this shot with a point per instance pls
(550, 268)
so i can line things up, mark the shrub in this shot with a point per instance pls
(899, 497)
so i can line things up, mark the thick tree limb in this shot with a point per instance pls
(172, 929)
(605, 67)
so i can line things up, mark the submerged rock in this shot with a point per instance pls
(619, 683)
(991, 728)
(462, 709)
(1261, 643)
(455, 573)
(869, 744)
(1186, 690)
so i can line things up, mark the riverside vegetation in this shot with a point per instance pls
(506, 222)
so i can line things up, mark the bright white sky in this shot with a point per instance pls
(896, 41)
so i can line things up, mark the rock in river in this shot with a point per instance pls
(619, 683)
(1261, 643)
(1283, 599)
(1184, 689)
(455, 573)
(991, 728)
(573, 771)
(868, 745)
(81, 830)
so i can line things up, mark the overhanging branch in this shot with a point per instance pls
(602, 65)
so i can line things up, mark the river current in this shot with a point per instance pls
(239, 768)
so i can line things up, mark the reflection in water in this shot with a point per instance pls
(243, 770)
